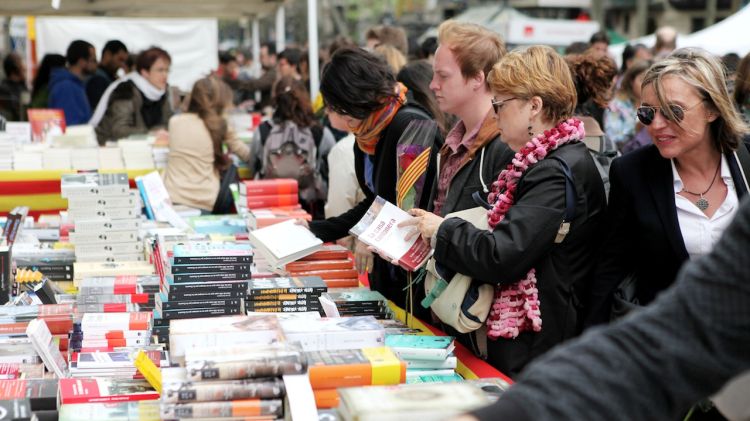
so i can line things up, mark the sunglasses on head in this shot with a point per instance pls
(647, 113)
(497, 105)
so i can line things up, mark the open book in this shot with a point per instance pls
(379, 229)
(284, 242)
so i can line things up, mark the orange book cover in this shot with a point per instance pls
(309, 265)
(46, 123)
(269, 187)
(328, 274)
(256, 202)
(342, 283)
(328, 252)
(340, 375)
(326, 398)
(140, 321)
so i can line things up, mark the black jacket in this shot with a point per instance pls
(643, 230)
(525, 239)
(386, 278)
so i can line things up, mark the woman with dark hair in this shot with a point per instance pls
(40, 87)
(139, 102)
(594, 77)
(293, 121)
(196, 158)
(362, 96)
(416, 76)
(742, 88)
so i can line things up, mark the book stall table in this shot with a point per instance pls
(40, 189)
(469, 366)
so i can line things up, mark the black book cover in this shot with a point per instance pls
(210, 277)
(192, 313)
(15, 410)
(176, 305)
(302, 285)
(232, 268)
(206, 295)
(202, 286)
(211, 260)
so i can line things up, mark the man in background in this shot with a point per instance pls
(66, 83)
(14, 94)
(114, 56)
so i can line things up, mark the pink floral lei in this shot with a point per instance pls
(516, 307)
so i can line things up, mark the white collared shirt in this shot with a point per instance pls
(699, 232)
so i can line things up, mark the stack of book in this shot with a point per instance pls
(410, 401)
(106, 331)
(189, 334)
(272, 193)
(135, 410)
(359, 302)
(331, 262)
(329, 370)
(429, 358)
(106, 217)
(36, 396)
(27, 160)
(230, 381)
(260, 218)
(83, 270)
(103, 390)
(160, 155)
(85, 159)
(232, 225)
(195, 273)
(136, 154)
(112, 364)
(111, 158)
(14, 320)
(285, 295)
(111, 294)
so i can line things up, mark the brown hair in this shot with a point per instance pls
(704, 72)
(742, 81)
(475, 48)
(537, 71)
(593, 76)
(292, 102)
(626, 85)
(209, 98)
(147, 58)
(390, 35)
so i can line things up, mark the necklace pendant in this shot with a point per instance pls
(702, 203)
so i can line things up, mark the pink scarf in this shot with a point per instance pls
(516, 306)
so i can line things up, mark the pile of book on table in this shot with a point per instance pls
(125, 293)
(230, 381)
(429, 358)
(278, 193)
(106, 217)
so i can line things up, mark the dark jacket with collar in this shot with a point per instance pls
(479, 168)
(386, 278)
(124, 115)
(525, 240)
(643, 232)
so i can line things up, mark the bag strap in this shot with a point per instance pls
(570, 200)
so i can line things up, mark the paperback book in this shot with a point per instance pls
(284, 242)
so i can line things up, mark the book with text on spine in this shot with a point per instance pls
(379, 229)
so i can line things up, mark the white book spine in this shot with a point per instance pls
(104, 237)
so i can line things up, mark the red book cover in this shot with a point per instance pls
(308, 265)
(46, 123)
(286, 186)
(126, 284)
(328, 252)
(329, 274)
(342, 283)
(9, 371)
(257, 202)
(104, 390)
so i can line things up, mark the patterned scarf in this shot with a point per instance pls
(516, 307)
(368, 132)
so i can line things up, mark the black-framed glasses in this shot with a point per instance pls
(497, 105)
(647, 113)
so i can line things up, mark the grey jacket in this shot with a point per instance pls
(123, 116)
(657, 362)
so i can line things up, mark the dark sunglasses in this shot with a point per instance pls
(497, 105)
(647, 113)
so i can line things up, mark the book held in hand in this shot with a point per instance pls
(284, 242)
(379, 229)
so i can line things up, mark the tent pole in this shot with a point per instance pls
(312, 46)
(280, 28)
(256, 50)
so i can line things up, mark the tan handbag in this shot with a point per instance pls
(459, 303)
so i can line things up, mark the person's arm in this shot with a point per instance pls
(236, 146)
(617, 248)
(332, 229)
(657, 362)
(527, 232)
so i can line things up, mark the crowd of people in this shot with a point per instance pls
(562, 245)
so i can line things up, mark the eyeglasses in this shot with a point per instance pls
(497, 105)
(647, 113)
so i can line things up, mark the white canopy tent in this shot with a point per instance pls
(727, 36)
(252, 10)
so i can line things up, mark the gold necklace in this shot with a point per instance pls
(702, 203)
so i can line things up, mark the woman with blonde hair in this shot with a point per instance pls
(670, 201)
(196, 161)
(546, 209)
